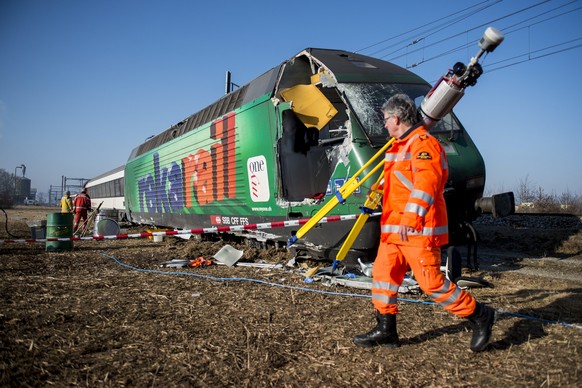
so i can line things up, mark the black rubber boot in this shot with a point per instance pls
(384, 334)
(482, 321)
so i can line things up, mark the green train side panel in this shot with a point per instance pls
(224, 167)
(227, 168)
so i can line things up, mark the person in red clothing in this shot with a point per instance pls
(413, 228)
(81, 205)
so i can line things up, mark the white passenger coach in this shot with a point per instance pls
(107, 190)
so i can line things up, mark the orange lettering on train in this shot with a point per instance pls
(189, 170)
(203, 174)
(223, 154)
(219, 161)
(230, 147)
(210, 176)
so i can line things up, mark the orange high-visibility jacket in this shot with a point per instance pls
(415, 173)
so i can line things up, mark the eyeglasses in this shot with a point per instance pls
(387, 118)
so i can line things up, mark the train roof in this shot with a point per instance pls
(229, 102)
(347, 67)
(106, 174)
(352, 67)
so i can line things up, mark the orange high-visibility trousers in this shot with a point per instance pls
(392, 263)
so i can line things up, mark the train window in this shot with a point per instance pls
(108, 189)
(366, 99)
(337, 127)
(121, 187)
(447, 124)
(117, 188)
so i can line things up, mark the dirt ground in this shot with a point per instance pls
(109, 314)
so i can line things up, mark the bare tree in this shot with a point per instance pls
(544, 202)
(7, 189)
(41, 198)
(525, 193)
(570, 203)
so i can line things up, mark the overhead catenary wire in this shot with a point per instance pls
(530, 58)
(491, 66)
(438, 27)
(414, 29)
(507, 30)
(478, 27)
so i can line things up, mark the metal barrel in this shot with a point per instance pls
(106, 223)
(108, 213)
(59, 225)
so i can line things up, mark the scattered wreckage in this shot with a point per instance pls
(354, 277)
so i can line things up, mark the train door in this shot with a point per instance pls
(304, 166)
(311, 116)
(308, 141)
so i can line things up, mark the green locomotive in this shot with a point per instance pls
(278, 147)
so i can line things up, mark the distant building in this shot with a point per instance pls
(22, 189)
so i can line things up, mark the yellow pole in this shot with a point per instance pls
(345, 191)
(370, 205)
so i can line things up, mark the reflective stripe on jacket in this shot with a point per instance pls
(415, 173)
(82, 202)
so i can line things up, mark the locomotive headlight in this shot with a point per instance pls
(475, 182)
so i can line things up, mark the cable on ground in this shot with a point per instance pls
(238, 279)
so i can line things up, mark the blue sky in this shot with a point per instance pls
(84, 82)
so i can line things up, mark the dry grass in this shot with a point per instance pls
(572, 245)
(81, 318)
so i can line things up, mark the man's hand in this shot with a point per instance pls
(403, 231)
(375, 189)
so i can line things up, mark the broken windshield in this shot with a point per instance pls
(367, 99)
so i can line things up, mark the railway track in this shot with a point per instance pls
(533, 220)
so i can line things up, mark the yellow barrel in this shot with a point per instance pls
(59, 225)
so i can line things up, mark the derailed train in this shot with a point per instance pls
(278, 147)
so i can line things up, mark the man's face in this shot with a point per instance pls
(390, 123)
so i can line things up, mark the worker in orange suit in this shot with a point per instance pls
(81, 205)
(413, 228)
